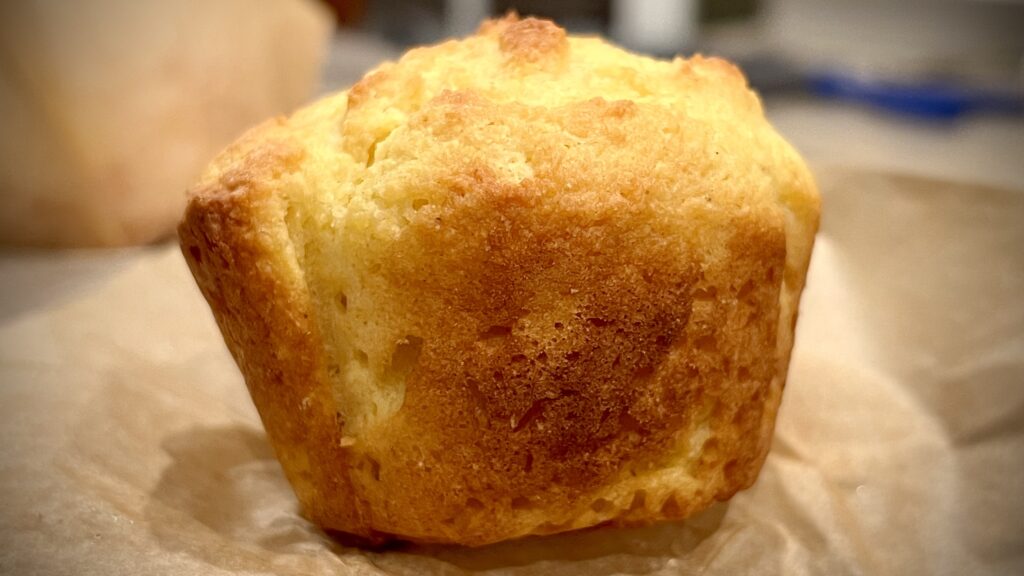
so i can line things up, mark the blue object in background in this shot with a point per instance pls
(933, 100)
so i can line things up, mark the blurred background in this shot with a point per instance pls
(111, 108)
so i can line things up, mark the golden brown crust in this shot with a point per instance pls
(576, 370)
(531, 39)
(465, 318)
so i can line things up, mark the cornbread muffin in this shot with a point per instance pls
(111, 108)
(516, 284)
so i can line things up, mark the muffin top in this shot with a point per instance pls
(522, 100)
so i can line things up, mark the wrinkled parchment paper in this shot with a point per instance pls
(128, 444)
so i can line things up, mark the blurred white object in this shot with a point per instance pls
(351, 55)
(903, 37)
(111, 108)
(462, 17)
(663, 27)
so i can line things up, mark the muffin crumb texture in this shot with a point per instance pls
(516, 284)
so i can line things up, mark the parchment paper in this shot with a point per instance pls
(128, 444)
